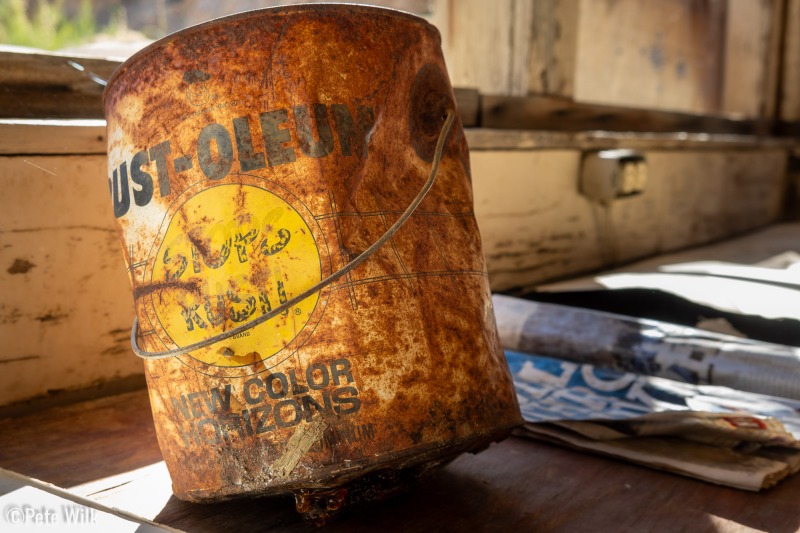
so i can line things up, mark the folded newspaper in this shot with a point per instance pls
(739, 439)
(644, 346)
(718, 434)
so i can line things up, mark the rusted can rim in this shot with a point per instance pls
(279, 11)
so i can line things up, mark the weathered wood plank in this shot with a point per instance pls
(553, 42)
(66, 308)
(790, 75)
(702, 57)
(771, 94)
(664, 55)
(753, 31)
(751, 248)
(537, 227)
(18, 136)
(711, 197)
(560, 114)
(28, 67)
(468, 103)
(37, 84)
(44, 504)
(501, 139)
(533, 223)
(521, 30)
(70, 449)
(486, 44)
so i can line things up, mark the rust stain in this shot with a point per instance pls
(18, 359)
(52, 316)
(20, 266)
(192, 285)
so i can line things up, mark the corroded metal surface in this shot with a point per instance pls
(248, 159)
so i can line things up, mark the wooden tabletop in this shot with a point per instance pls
(106, 449)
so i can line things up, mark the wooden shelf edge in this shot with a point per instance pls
(52, 136)
(523, 139)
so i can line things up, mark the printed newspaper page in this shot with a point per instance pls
(717, 434)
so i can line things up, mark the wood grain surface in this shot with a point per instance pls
(517, 485)
(536, 226)
(66, 302)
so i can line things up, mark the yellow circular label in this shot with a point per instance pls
(230, 254)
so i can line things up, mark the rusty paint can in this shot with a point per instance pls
(253, 156)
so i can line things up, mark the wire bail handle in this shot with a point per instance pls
(363, 256)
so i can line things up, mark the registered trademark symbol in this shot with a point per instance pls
(297, 311)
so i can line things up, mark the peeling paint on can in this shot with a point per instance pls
(251, 157)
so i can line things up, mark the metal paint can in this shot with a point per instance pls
(249, 158)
